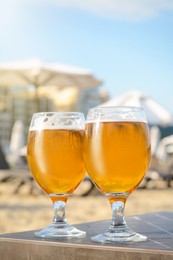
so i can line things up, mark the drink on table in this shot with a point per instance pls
(116, 153)
(55, 158)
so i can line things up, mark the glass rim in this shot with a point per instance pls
(58, 113)
(135, 108)
(57, 120)
(116, 114)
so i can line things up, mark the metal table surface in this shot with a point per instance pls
(157, 226)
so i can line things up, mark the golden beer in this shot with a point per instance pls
(55, 159)
(116, 154)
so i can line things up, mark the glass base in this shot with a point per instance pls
(118, 235)
(60, 231)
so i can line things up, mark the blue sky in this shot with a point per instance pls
(128, 43)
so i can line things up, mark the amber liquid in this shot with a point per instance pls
(116, 154)
(55, 159)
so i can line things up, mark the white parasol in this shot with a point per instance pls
(155, 113)
(38, 73)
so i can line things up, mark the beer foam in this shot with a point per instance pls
(106, 120)
(50, 121)
(126, 117)
(116, 114)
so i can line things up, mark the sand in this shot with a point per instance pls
(22, 212)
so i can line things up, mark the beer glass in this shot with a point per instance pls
(116, 151)
(55, 159)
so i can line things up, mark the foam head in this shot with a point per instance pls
(57, 120)
(116, 113)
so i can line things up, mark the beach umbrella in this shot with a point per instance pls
(39, 73)
(155, 113)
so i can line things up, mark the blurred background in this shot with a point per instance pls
(70, 56)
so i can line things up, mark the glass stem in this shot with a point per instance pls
(118, 214)
(59, 212)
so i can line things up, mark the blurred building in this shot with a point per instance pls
(88, 98)
(20, 103)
